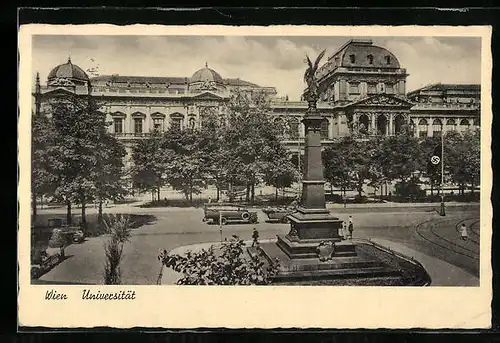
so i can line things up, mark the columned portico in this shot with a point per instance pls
(381, 114)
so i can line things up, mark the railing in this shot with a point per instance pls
(425, 277)
(301, 104)
(138, 91)
(450, 106)
(131, 134)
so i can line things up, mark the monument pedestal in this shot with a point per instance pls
(308, 229)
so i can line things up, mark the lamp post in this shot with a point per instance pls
(442, 210)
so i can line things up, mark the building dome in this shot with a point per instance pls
(68, 71)
(206, 75)
(365, 54)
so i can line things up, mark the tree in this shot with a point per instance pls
(214, 152)
(42, 178)
(281, 174)
(109, 181)
(462, 158)
(225, 267)
(399, 157)
(184, 164)
(78, 127)
(150, 160)
(252, 140)
(80, 143)
(336, 167)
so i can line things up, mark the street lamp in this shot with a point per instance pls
(442, 210)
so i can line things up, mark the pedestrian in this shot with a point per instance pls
(209, 199)
(351, 227)
(463, 232)
(344, 229)
(255, 236)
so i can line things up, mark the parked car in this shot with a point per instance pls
(228, 213)
(278, 214)
(44, 259)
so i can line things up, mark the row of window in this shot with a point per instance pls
(175, 124)
(438, 122)
(369, 58)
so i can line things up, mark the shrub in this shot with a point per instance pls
(409, 189)
(119, 229)
(227, 266)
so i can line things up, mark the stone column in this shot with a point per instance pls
(330, 129)
(391, 126)
(313, 190)
(373, 128)
(429, 127)
(415, 123)
(355, 123)
(128, 119)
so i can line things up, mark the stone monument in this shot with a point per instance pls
(312, 223)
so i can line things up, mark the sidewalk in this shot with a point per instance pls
(442, 273)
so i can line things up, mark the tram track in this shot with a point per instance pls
(443, 242)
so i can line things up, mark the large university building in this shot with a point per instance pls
(362, 89)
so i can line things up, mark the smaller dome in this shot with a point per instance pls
(206, 74)
(68, 71)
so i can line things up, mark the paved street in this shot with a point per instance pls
(174, 227)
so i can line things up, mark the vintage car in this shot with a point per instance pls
(228, 213)
(72, 234)
(278, 214)
(44, 259)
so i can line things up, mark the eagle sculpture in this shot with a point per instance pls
(310, 76)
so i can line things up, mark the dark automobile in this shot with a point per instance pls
(228, 213)
(278, 214)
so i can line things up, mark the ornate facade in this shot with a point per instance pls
(362, 89)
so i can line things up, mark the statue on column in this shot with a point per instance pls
(311, 94)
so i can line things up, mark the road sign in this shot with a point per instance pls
(435, 159)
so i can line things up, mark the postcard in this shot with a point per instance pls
(254, 177)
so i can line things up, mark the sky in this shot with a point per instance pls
(267, 61)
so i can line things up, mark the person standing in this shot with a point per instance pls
(463, 232)
(351, 227)
(344, 229)
(209, 199)
(255, 236)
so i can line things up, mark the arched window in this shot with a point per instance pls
(464, 125)
(325, 125)
(422, 128)
(352, 57)
(176, 121)
(363, 124)
(382, 125)
(192, 123)
(399, 124)
(370, 59)
(437, 126)
(388, 59)
(450, 125)
(381, 87)
(293, 128)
